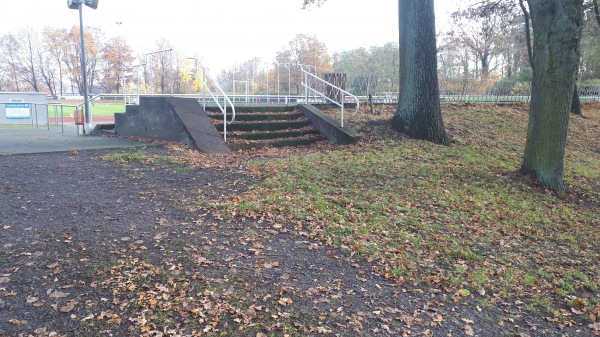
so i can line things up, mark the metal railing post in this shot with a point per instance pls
(342, 117)
(306, 90)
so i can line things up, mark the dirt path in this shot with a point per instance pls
(91, 247)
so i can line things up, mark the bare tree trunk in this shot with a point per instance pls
(419, 113)
(557, 29)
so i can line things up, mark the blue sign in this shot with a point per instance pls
(17, 111)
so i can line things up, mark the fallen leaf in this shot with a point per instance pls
(467, 321)
(40, 331)
(270, 265)
(58, 294)
(159, 236)
(284, 301)
(464, 292)
(469, 330)
(68, 307)
(17, 321)
(31, 299)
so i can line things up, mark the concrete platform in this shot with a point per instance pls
(27, 139)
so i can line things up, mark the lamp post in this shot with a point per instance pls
(78, 4)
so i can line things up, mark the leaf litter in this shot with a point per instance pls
(274, 254)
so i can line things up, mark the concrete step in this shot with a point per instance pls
(264, 126)
(299, 141)
(263, 135)
(240, 117)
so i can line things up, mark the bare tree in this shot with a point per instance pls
(10, 47)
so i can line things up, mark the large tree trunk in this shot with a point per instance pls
(557, 31)
(419, 113)
(597, 11)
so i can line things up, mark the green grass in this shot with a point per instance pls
(107, 109)
(421, 209)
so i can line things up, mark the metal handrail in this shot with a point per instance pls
(342, 92)
(223, 107)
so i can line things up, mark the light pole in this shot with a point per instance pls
(78, 4)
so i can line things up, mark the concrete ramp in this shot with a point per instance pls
(173, 119)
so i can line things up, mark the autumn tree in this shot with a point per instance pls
(304, 50)
(116, 58)
(54, 43)
(72, 55)
(557, 29)
(160, 67)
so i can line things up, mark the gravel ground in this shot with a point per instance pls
(92, 247)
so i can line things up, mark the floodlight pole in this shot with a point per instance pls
(88, 116)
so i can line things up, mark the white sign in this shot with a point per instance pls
(16, 100)
(17, 111)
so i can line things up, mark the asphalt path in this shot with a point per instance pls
(56, 138)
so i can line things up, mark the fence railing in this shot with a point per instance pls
(226, 99)
(327, 91)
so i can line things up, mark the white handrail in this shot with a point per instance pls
(226, 99)
(342, 92)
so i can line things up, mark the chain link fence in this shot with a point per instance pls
(383, 88)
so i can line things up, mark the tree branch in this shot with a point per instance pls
(528, 31)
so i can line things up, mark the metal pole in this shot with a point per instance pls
(125, 93)
(150, 76)
(88, 115)
(305, 89)
(171, 69)
(203, 89)
(277, 82)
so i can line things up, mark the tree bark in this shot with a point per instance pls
(557, 29)
(597, 11)
(419, 112)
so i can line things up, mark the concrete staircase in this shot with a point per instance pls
(259, 127)
(183, 120)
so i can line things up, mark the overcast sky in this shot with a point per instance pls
(222, 32)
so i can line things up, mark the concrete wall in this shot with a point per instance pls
(23, 108)
(329, 127)
(173, 119)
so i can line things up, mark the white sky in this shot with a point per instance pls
(222, 32)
